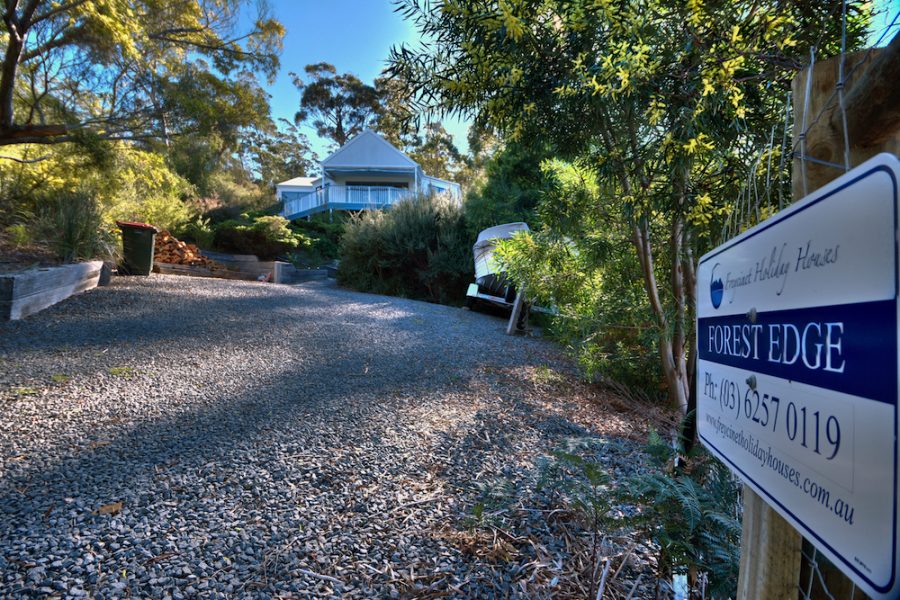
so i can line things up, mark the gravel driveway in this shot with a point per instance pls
(180, 437)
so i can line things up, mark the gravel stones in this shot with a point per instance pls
(173, 437)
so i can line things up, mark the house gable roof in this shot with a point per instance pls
(369, 149)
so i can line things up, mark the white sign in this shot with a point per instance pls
(797, 371)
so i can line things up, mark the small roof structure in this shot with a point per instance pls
(442, 180)
(300, 182)
(369, 151)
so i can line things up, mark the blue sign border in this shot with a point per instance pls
(892, 581)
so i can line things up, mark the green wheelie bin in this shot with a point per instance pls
(138, 240)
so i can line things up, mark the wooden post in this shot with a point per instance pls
(873, 102)
(770, 553)
(770, 547)
(865, 93)
(518, 307)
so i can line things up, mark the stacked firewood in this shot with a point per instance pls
(172, 251)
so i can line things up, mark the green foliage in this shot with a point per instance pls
(129, 184)
(277, 153)
(324, 240)
(138, 185)
(688, 506)
(494, 495)
(206, 105)
(267, 237)
(141, 104)
(436, 153)
(417, 249)
(586, 270)
(428, 144)
(198, 231)
(198, 159)
(19, 235)
(26, 391)
(511, 189)
(124, 372)
(684, 504)
(235, 193)
(662, 101)
(72, 224)
(109, 69)
(395, 119)
(575, 471)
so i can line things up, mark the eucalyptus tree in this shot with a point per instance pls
(339, 106)
(277, 153)
(656, 97)
(396, 119)
(74, 70)
(436, 152)
(425, 140)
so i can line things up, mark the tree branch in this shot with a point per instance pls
(57, 10)
(32, 134)
(68, 35)
(25, 161)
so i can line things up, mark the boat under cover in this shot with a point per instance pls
(488, 278)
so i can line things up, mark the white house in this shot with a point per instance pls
(365, 173)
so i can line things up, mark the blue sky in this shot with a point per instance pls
(888, 9)
(353, 35)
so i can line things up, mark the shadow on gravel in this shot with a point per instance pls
(495, 475)
(182, 319)
(210, 431)
(286, 395)
(359, 374)
(173, 317)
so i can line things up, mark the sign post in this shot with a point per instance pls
(797, 372)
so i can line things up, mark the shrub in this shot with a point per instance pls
(325, 238)
(220, 211)
(682, 503)
(232, 191)
(601, 317)
(267, 237)
(417, 249)
(198, 231)
(688, 506)
(122, 181)
(511, 190)
(73, 226)
(19, 235)
(139, 185)
(586, 268)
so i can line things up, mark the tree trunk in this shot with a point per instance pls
(673, 363)
(679, 333)
(14, 45)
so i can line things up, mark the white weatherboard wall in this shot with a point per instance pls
(797, 372)
(442, 186)
(302, 185)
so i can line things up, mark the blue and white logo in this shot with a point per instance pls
(716, 288)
